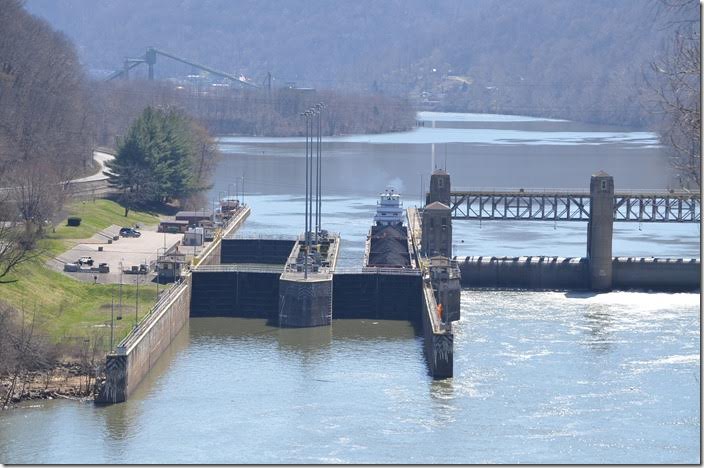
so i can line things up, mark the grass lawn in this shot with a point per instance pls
(70, 310)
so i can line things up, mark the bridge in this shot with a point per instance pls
(560, 205)
(600, 207)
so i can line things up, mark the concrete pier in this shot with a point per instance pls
(600, 231)
(305, 300)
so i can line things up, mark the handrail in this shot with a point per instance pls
(240, 236)
(240, 268)
(379, 271)
(165, 297)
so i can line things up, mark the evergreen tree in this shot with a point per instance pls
(156, 160)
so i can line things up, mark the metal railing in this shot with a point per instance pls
(241, 236)
(378, 271)
(241, 267)
(164, 298)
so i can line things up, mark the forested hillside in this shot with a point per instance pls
(559, 58)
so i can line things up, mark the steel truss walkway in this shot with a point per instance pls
(664, 207)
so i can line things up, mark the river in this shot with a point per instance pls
(540, 377)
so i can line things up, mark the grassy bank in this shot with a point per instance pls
(69, 310)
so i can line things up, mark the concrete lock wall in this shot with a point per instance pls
(305, 303)
(269, 251)
(377, 296)
(126, 368)
(213, 253)
(437, 345)
(235, 294)
(658, 274)
(525, 272)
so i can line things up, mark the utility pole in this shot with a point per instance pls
(112, 321)
(158, 271)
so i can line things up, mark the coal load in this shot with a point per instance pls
(389, 247)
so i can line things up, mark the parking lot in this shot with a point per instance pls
(126, 250)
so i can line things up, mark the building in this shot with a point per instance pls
(194, 217)
(436, 230)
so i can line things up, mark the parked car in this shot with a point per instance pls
(85, 261)
(129, 232)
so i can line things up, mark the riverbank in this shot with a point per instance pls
(65, 380)
(65, 310)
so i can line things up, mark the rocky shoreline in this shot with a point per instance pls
(66, 380)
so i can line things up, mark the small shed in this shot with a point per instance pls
(169, 267)
(173, 226)
(193, 237)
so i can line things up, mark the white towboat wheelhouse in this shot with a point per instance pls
(389, 209)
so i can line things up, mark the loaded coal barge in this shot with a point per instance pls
(388, 244)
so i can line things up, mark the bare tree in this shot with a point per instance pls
(46, 129)
(16, 246)
(676, 85)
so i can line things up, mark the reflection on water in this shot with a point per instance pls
(304, 341)
(598, 326)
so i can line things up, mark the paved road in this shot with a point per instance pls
(101, 158)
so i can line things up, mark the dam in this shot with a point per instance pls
(409, 271)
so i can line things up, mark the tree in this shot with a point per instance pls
(160, 159)
(677, 89)
(45, 129)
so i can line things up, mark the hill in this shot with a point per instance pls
(578, 60)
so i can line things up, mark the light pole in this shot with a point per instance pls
(319, 199)
(305, 230)
(112, 321)
(119, 313)
(136, 304)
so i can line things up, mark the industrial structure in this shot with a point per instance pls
(149, 59)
